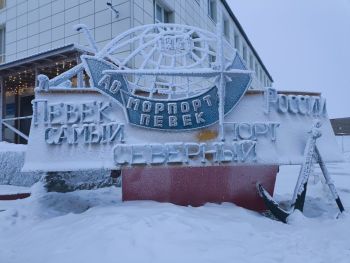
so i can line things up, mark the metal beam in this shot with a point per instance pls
(80, 74)
(18, 118)
(62, 56)
(16, 131)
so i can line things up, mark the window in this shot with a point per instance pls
(226, 24)
(212, 9)
(2, 4)
(196, 46)
(211, 57)
(161, 14)
(251, 61)
(237, 45)
(256, 70)
(245, 54)
(2, 44)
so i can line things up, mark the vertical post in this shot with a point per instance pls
(80, 75)
(80, 79)
(220, 61)
(2, 101)
(17, 114)
(88, 35)
(36, 73)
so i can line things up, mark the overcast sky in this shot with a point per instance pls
(305, 45)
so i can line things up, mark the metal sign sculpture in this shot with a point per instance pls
(173, 96)
(185, 88)
(180, 55)
(169, 79)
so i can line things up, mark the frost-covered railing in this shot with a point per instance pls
(12, 128)
(63, 80)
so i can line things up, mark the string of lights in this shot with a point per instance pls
(23, 82)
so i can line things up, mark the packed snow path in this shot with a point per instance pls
(95, 226)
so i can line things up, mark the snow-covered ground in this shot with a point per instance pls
(11, 189)
(10, 147)
(96, 226)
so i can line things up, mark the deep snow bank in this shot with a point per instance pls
(11, 162)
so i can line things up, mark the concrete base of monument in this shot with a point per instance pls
(199, 185)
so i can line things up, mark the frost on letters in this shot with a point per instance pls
(71, 123)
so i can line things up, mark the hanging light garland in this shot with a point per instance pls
(22, 82)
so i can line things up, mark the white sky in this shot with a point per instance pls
(305, 45)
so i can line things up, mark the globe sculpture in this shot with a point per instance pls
(172, 61)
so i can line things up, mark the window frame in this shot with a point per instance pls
(256, 69)
(165, 13)
(245, 52)
(226, 27)
(251, 61)
(211, 58)
(212, 13)
(237, 42)
(2, 43)
(2, 4)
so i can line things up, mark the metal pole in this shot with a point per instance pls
(329, 180)
(17, 124)
(88, 35)
(80, 75)
(220, 61)
(17, 118)
(36, 72)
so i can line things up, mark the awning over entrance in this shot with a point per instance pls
(40, 59)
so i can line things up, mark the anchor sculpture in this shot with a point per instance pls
(311, 152)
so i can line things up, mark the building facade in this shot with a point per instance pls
(38, 37)
(341, 126)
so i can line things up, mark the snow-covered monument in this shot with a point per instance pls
(181, 122)
(172, 106)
